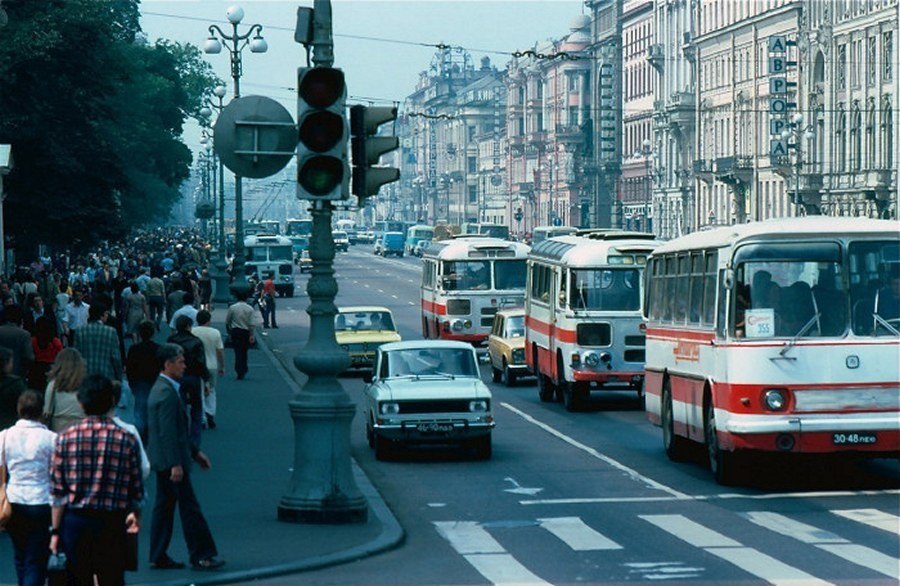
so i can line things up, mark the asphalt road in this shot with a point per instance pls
(590, 497)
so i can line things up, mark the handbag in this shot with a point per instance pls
(5, 505)
(47, 417)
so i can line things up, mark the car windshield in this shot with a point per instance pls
(605, 289)
(515, 326)
(360, 321)
(429, 361)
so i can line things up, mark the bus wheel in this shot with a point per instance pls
(723, 464)
(574, 395)
(675, 445)
(546, 389)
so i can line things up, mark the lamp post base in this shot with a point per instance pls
(220, 279)
(322, 488)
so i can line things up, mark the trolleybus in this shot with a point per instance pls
(776, 336)
(584, 329)
(298, 227)
(271, 255)
(541, 233)
(465, 281)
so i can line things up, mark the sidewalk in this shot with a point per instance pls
(252, 453)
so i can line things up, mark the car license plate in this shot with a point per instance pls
(853, 439)
(434, 427)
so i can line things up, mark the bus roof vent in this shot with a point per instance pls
(614, 234)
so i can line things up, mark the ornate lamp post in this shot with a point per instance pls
(646, 151)
(219, 272)
(235, 43)
(796, 133)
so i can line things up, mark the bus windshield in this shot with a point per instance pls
(279, 253)
(510, 274)
(467, 275)
(605, 289)
(275, 253)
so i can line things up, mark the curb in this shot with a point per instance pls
(391, 536)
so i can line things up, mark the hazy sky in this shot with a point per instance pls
(382, 70)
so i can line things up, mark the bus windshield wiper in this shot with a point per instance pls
(790, 343)
(886, 324)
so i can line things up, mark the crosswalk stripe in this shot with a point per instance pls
(577, 534)
(748, 559)
(485, 553)
(873, 518)
(827, 541)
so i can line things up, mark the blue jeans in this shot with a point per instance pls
(94, 543)
(141, 391)
(29, 530)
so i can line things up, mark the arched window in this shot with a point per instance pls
(841, 135)
(887, 133)
(870, 135)
(856, 139)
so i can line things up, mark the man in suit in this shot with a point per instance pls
(171, 454)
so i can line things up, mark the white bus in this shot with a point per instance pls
(541, 233)
(584, 329)
(776, 336)
(465, 281)
(271, 255)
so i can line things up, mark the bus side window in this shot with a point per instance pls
(722, 307)
(709, 290)
(696, 302)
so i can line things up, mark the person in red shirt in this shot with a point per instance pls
(46, 346)
(267, 301)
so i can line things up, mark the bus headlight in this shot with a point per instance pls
(456, 325)
(775, 399)
(467, 324)
(592, 359)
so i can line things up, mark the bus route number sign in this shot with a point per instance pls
(760, 323)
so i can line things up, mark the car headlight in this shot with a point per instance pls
(592, 359)
(518, 355)
(390, 408)
(478, 406)
(775, 399)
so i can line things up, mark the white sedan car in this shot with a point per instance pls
(428, 393)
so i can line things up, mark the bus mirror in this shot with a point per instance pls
(562, 298)
(729, 278)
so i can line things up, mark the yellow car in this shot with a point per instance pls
(506, 346)
(361, 330)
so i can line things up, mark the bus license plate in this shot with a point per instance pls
(435, 427)
(853, 439)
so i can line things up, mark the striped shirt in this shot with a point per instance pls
(97, 466)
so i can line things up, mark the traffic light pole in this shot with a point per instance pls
(322, 488)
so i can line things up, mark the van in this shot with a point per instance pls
(392, 243)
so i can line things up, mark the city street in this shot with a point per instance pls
(590, 497)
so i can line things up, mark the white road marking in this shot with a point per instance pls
(411, 303)
(873, 518)
(708, 497)
(395, 297)
(485, 554)
(381, 290)
(664, 570)
(748, 559)
(577, 535)
(634, 474)
(827, 541)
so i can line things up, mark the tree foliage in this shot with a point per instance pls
(94, 114)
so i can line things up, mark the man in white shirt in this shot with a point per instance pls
(187, 309)
(215, 362)
(76, 315)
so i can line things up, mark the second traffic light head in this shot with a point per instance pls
(367, 149)
(323, 172)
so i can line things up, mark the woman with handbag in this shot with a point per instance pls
(46, 347)
(26, 450)
(61, 407)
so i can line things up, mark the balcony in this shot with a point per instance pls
(734, 171)
(536, 138)
(569, 132)
(681, 109)
(878, 179)
(704, 170)
(656, 56)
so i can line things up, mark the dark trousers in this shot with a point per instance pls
(141, 391)
(94, 543)
(192, 395)
(197, 536)
(29, 530)
(267, 308)
(157, 304)
(240, 339)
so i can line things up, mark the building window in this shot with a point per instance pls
(473, 194)
(856, 139)
(870, 60)
(842, 67)
(856, 58)
(870, 135)
(887, 133)
(841, 132)
(472, 164)
(887, 55)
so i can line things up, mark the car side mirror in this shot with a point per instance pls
(368, 377)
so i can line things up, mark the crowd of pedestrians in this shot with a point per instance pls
(74, 333)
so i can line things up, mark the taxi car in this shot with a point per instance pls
(304, 261)
(506, 346)
(428, 392)
(361, 330)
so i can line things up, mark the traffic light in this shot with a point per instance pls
(323, 172)
(367, 149)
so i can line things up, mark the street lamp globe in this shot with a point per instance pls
(258, 44)
(219, 91)
(234, 14)
(205, 112)
(809, 134)
(785, 134)
(212, 46)
(797, 119)
(646, 145)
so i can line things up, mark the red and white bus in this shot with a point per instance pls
(584, 329)
(776, 336)
(465, 281)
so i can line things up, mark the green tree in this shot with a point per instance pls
(94, 114)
